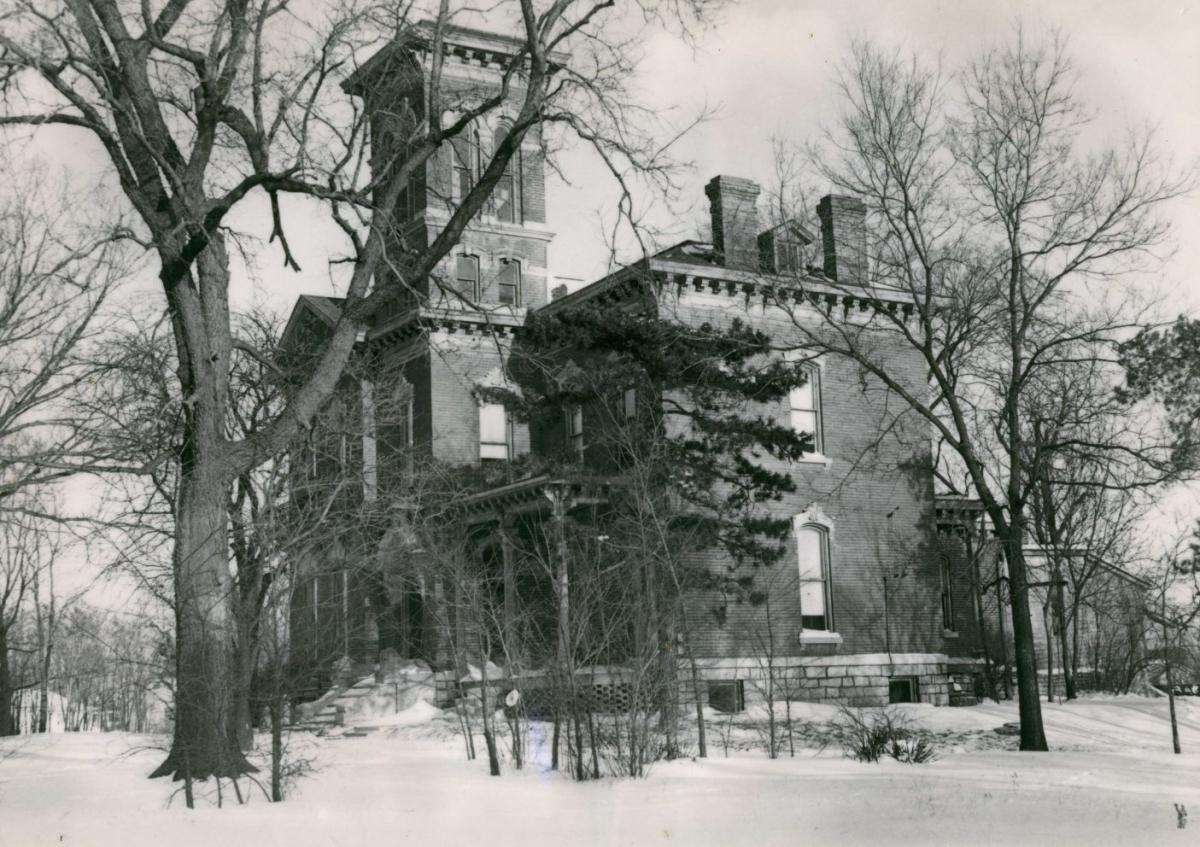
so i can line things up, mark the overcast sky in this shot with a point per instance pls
(769, 66)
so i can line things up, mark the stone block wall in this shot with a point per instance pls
(850, 680)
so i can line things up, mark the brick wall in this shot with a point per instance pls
(871, 490)
(491, 246)
(458, 363)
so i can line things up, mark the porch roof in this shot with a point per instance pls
(532, 495)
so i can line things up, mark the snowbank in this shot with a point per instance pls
(1120, 785)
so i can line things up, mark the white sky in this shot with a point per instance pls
(768, 66)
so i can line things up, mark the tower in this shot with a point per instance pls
(448, 334)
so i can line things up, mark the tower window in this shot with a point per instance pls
(466, 274)
(805, 403)
(468, 161)
(629, 403)
(495, 432)
(812, 553)
(462, 169)
(504, 198)
(508, 284)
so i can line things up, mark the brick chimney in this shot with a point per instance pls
(844, 238)
(734, 221)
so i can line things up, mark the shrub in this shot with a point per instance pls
(868, 736)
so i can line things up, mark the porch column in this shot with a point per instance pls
(557, 497)
(511, 634)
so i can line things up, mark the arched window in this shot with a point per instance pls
(812, 554)
(467, 156)
(805, 403)
(504, 195)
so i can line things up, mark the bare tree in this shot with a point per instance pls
(55, 277)
(1006, 245)
(198, 104)
(1174, 605)
(18, 564)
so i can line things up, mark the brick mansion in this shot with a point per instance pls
(873, 601)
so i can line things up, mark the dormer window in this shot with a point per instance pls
(508, 283)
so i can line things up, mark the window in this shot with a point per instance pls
(508, 284)
(727, 695)
(812, 552)
(495, 431)
(468, 160)
(903, 689)
(947, 595)
(504, 196)
(629, 403)
(805, 403)
(466, 274)
(462, 168)
(574, 420)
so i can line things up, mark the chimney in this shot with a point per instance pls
(844, 238)
(734, 221)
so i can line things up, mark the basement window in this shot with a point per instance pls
(727, 695)
(903, 689)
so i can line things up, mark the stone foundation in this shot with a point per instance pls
(851, 680)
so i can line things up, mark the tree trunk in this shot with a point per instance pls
(486, 707)
(6, 689)
(1046, 622)
(1075, 649)
(1033, 735)
(205, 741)
(1060, 614)
(1003, 635)
(44, 693)
(1171, 707)
(247, 654)
(977, 596)
(1170, 683)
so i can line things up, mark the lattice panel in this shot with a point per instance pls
(611, 696)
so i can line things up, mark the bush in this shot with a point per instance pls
(868, 736)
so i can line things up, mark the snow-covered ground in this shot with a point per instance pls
(1113, 780)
